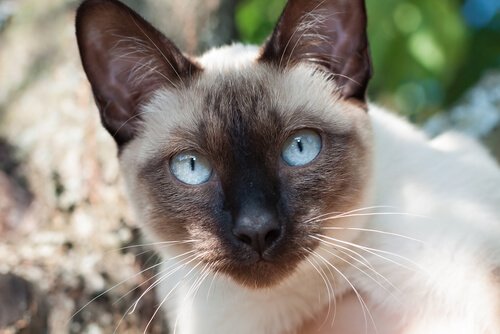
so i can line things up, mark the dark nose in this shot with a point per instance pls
(259, 229)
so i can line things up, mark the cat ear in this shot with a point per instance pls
(327, 33)
(126, 59)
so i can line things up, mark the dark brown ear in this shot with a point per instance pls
(126, 60)
(328, 33)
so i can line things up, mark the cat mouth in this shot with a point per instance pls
(260, 272)
(260, 275)
(257, 269)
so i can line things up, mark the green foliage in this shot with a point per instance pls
(255, 19)
(417, 46)
(424, 54)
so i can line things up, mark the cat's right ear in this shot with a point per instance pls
(126, 59)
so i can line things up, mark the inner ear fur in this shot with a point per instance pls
(126, 59)
(328, 33)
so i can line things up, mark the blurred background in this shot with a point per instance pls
(65, 228)
(426, 53)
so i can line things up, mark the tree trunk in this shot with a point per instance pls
(193, 25)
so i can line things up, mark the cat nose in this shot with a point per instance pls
(259, 230)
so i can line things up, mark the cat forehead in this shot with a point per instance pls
(229, 57)
(234, 85)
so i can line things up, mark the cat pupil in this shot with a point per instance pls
(300, 145)
(192, 162)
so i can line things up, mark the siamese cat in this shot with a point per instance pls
(279, 199)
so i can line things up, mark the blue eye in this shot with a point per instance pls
(191, 168)
(301, 148)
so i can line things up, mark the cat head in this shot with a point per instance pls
(239, 157)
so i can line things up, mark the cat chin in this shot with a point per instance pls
(260, 275)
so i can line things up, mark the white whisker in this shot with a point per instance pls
(364, 306)
(367, 274)
(162, 243)
(162, 272)
(132, 307)
(166, 297)
(212, 281)
(372, 214)
(192, 287)
(348, 212)
(375, 252)
(161, 279)
(334, 299)
(193, 290)
(371, 230)
(328, 287)
(113, 287)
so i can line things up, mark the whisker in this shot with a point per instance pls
(371, 230)
(164, 277)
(212, 281)
(176, 242)
(367, 274)
(187, 295)
(325, 280)
(374, 251)
(344, 250)
(372, 214)
(159, 273)
(132, 307)
(364, 306)
(366, 265)
(193, 290)
(334, 299)
(165, 299)
(161, 304)
(199, 278)
(111, 288)
(348, 212)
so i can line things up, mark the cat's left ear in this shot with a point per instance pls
(328, 33)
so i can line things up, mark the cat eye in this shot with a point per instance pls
(191, 168)
(301, 148)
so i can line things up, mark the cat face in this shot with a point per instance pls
(238, 153)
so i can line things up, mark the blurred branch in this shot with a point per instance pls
(477, 115)
(221, 27)
(7, 9)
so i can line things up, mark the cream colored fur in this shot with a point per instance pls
(444, 192)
